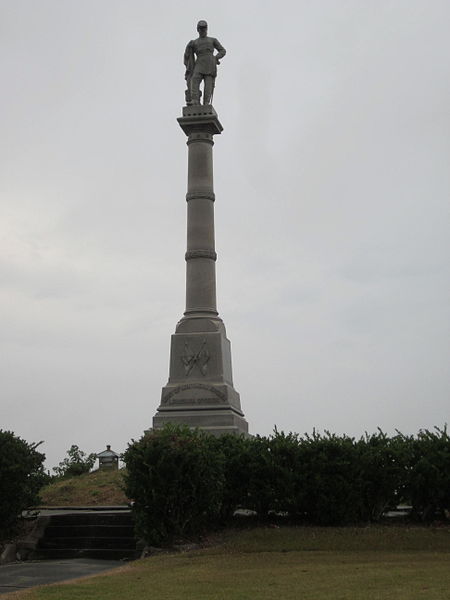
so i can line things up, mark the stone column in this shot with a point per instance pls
(200, 390)
(200, 255)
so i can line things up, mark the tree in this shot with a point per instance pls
(76, 463)
(21, 476)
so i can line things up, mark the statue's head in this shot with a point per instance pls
(202, 28)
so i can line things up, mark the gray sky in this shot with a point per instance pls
(332, 185)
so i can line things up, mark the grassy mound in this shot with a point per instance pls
(99, 488)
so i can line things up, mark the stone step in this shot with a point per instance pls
(92, 519)
(79, 543)
(61, 531)
(87, 534)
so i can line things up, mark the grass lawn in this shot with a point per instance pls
(376, 563)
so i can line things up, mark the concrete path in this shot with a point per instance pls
(20, 575)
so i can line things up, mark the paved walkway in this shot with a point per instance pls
(21, 575)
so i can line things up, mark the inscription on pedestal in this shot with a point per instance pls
(191, 401)
(167, 399)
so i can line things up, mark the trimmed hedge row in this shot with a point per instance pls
(184, 481)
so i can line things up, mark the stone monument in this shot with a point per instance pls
(200, 391)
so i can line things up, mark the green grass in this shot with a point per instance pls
(91, 489)
(282, 564)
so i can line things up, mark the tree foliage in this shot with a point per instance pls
(76, 463)
(21, 476)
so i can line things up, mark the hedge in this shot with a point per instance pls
(185, 481)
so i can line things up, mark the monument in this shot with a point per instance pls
(200, 391)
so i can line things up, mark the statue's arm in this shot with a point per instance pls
(220, 50)
(188, 53)
(189, 58)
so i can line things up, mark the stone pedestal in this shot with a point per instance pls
(200, 390)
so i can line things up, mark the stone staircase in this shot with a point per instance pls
(103, 535)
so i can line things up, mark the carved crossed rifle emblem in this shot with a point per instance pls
(200, 358)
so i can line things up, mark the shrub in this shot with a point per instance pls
(21, 476)
(327, 479)
(235, 451)
(309, 479)
(261, 492)
(428, 486)
(275, 475)
(175, 477)
(383, 465)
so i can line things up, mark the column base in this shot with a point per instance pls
(200, 390)
(215, 422)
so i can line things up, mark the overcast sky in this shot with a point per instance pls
(332, 186)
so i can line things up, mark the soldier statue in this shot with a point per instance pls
(201, 64)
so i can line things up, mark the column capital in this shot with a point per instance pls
(200, 119)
